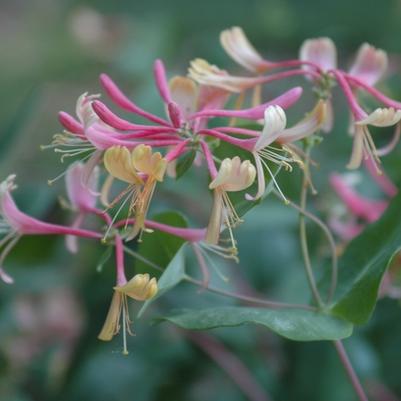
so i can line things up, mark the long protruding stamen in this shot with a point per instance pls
(106, 234)
(275, 181)
(8, 248)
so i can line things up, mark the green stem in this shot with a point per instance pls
(330, 239)
(303, 236)
(246, 298)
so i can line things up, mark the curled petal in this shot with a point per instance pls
(118, 163)
(84, 110)
(320, 51)
(370, 64)
(261, 180)
(207, 74)
(146, 162)
(239, 48)
(308, 126)
(275, 122)
(141, 287)
(234, 175)
(184, 92)
(381, 117)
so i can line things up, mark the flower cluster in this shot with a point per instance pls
(203, 110)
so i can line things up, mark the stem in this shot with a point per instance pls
(350, 370)
(246, 298)
(259, 301)
(327, 232)
(303, 235)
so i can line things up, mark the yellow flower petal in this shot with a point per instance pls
(141, 287)
(117, 161)
(152, 164)
(184, 92)
(111, 325)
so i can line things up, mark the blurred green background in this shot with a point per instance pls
(52, 51)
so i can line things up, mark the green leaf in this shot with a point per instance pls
(185, 163)
(173, 275)
(160, 247)
(294, 324)
(363, 265)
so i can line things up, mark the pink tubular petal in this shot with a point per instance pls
(81, 196)
(373, 91)
(161, 81)
(104, 140)
(177, 151)
(70, 123)
(382, 180)
(247, 144)
(175, 114)
(24, 224)
(345, 230)
(362, 207)
(357, 111)
(188, 234)
(121, 100)
(285, 101)
(209, 160)
(107, 116)
(71, 241)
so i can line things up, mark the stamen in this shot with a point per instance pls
(286, 201)
(8, 248)
(104, 239)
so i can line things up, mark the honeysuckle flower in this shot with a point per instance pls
(232, 176)
(140, 288)
(275, 130)
(182, 98)
(321, 52)
(240, 49)
(370, 64)
(363, 145)
(360, 209)
(141, 169)
(73, 141)
(14, 224)
(82, 196)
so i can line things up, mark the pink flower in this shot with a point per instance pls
(14, 223)
(82, 194)
(362, 210)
